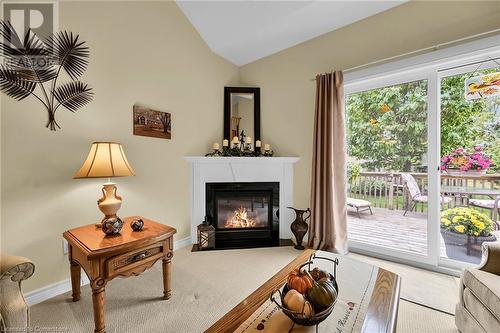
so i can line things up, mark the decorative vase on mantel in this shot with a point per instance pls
(299, 226)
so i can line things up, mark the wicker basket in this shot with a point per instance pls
(299, 318)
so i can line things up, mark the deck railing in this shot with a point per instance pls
(388, 190)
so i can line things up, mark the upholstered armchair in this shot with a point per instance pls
(479, 307)
(14, 312)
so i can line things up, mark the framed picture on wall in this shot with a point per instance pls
(152, 123)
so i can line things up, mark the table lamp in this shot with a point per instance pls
(106, 160)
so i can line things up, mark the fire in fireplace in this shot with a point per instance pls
(240, 219)
(243, 214)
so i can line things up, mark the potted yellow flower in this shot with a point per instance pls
(465, 227)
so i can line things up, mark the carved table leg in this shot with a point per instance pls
(98, 299)
(76, 272)
(167, 274)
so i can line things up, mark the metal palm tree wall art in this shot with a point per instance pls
(31, 63)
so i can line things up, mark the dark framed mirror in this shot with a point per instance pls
(241, 112)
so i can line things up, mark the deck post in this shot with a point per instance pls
(390, 182)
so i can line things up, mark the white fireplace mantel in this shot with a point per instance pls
(241, 169)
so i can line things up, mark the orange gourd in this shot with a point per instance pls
(300, 281)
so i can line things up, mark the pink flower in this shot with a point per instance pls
(464, 168)
(479, 169)
(477, 148)
(442, 167)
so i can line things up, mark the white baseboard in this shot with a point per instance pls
(179, 244)
(52, 290)
(61, 287)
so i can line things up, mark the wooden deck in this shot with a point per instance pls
(390, 229)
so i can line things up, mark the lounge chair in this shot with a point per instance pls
(416, 195)
(487, 204)
(360, 205)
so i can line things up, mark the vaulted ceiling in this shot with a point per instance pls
(244, 31)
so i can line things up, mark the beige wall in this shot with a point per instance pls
(144, 53)
(287, 94)
(148, 53)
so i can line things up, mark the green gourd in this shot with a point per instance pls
(322, 295)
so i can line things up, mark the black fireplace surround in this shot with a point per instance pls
(244, 215)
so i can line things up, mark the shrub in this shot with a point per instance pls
(353, 172)
(468, 221)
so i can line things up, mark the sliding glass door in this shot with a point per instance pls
(387, 168)
(424, 161)
(470, 160)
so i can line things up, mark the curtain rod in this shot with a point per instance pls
(430, 48)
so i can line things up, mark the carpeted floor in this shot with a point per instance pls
(205, 286)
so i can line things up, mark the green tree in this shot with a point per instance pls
(387, 127)
(469, 123)
(459, 117)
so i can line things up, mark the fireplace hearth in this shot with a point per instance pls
(244, 215)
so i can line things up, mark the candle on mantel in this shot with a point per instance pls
(225, 143)
(258, 144)
(216, 146)
(235, 140)
(267, 147)
(248, 140)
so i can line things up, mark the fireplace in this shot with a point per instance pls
(243, 214)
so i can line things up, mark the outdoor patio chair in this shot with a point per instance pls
(416, 195)
(487, 204)
(360, 205)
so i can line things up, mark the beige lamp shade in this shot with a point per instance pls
(105, 159)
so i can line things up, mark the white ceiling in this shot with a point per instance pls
(244, 31)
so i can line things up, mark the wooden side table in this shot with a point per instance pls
(126, 254)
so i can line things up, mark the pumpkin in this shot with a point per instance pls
(296, 302)
(319, 274)
(300, 281)
(322, 295)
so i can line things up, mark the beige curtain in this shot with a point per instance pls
(328, 228)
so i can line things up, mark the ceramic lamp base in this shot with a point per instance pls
(110, 202)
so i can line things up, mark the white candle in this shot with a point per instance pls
(235, 140)
(248, 140)
(225, 143)
(216, 146)
(267, 147)
(258, 144)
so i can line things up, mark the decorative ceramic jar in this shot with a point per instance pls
(137, 224)
(111, 226)
(110, 202)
